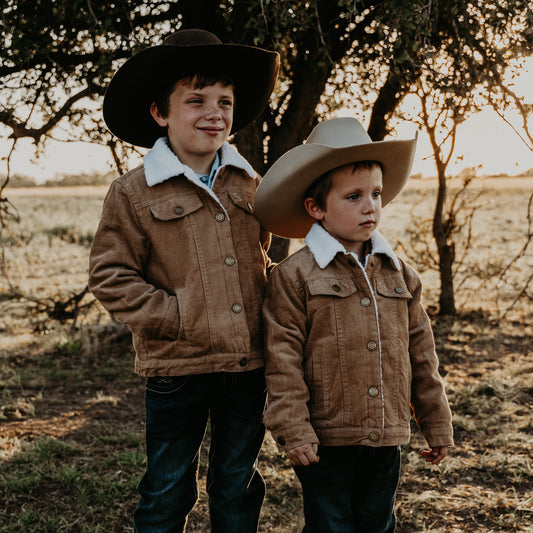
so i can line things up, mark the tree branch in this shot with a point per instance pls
(20, 130)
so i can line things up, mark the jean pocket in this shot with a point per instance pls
(166, 384)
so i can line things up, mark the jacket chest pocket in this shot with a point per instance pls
(329, 299)
(393, 293)
(393, 300)
(175, 208)
(171, 223)
(393, 288)
(339, 288)
(241, 212)
(243, 200)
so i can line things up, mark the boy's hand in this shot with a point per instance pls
(436, 455)
(303, 455)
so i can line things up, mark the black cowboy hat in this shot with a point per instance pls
(144, 76)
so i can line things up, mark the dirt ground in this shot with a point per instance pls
(77, 388)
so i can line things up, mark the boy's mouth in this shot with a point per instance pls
(210, 130)
(367, 223)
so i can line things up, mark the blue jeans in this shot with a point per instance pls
(350, 490)
(177, 411)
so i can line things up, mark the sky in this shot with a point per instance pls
(483, 140)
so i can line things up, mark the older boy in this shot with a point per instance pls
(179, 257)
(349, 345)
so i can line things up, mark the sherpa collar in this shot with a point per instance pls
(325, 247)
(161, 163)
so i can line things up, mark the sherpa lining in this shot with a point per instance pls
(325, 247)
(161, 164)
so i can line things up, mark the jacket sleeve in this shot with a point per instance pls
(287, 414)
(116, 278)
(428, 396)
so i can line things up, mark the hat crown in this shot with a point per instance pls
(339, 133)
(192, 37)
(143, 76)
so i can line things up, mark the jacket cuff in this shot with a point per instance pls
(294, 436)
(439, 436)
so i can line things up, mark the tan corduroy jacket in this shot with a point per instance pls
(185, 271)
(349, 351)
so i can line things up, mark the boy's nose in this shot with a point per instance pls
(369, 206)
(212, 112)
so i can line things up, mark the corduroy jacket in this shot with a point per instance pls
(183, 266)
(349, 350)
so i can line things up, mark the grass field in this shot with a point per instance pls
(72, 414)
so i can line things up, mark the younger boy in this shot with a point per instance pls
(179, 257)
(349, 346)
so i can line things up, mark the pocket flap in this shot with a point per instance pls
(393, 288)
(243, 200)
(331, 287)
(176, 207)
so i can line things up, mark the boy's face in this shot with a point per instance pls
(353, 206)
(198, 122)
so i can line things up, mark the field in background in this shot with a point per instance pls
(71, 410)
(60, 217)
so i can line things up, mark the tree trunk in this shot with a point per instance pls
(445, 250)
(447, 297)
(389, 97)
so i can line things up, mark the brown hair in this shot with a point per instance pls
(199, 80)
(319, 189)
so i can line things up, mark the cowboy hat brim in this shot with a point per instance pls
(279, 200)
(141, 79)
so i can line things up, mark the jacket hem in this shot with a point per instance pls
(364, 437)
(208, 364)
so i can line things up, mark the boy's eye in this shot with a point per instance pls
(353, 196)
(226, 103)
(195, 101)
(376, 194)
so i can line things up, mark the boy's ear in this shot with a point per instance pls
(313, 209)
(158, 117)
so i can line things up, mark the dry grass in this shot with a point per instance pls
(71, 410)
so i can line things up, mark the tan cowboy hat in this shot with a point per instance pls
(141, 79)
(279, 200)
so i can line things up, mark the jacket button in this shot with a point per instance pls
(229, 261)
(374, 436)
(243, 361)
(399, 290)
(281, 441)
(336, 288)
(373, 392)
(249, 206)
(220, 217)
(371, 346)
(178, 210)
(236, 308)
(365, 302)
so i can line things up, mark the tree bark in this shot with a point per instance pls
(446, 251)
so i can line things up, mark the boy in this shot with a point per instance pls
(349, 346)
(179, 257)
